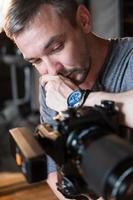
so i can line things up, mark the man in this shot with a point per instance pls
(56, 37)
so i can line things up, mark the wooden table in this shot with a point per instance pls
(13, 186)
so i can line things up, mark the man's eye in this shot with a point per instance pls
(58, 47)
(36, 62)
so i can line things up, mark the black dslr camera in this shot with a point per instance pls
(86, 144)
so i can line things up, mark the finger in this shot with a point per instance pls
(68, 82)
(46, 78)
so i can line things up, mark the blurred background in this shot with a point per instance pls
(19, 81)
(18, 98)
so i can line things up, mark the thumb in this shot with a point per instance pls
(46, 78)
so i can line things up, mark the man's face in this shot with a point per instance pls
(54, 47)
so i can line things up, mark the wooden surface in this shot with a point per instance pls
(13, 186)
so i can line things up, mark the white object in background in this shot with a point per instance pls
(106, 17)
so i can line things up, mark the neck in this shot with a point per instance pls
(98, 50)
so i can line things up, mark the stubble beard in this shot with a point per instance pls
(81, 76)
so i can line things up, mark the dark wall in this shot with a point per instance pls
(10, 58)
(127, 18)
(6, 47)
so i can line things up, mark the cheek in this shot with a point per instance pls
(69, 57)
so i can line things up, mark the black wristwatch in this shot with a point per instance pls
(77, 98)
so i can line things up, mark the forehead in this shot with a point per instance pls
(40, 29)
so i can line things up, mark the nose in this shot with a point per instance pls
(53, 67)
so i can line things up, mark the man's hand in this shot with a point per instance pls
(123, 102)
(57, 89)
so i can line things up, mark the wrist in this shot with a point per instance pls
(77, 98)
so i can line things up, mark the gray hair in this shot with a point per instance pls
(20, 12)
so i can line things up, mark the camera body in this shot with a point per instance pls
(92, 158)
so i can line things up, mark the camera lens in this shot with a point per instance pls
(120, 182)
(107, 167)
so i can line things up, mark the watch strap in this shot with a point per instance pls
(86, 94)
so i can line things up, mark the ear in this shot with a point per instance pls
(84, 18)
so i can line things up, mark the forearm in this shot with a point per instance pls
(123, 102)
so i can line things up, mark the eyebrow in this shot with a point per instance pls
(51, 41)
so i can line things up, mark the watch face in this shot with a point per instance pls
(74, 98)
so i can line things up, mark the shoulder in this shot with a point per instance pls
(126, 42)
(122, 48)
